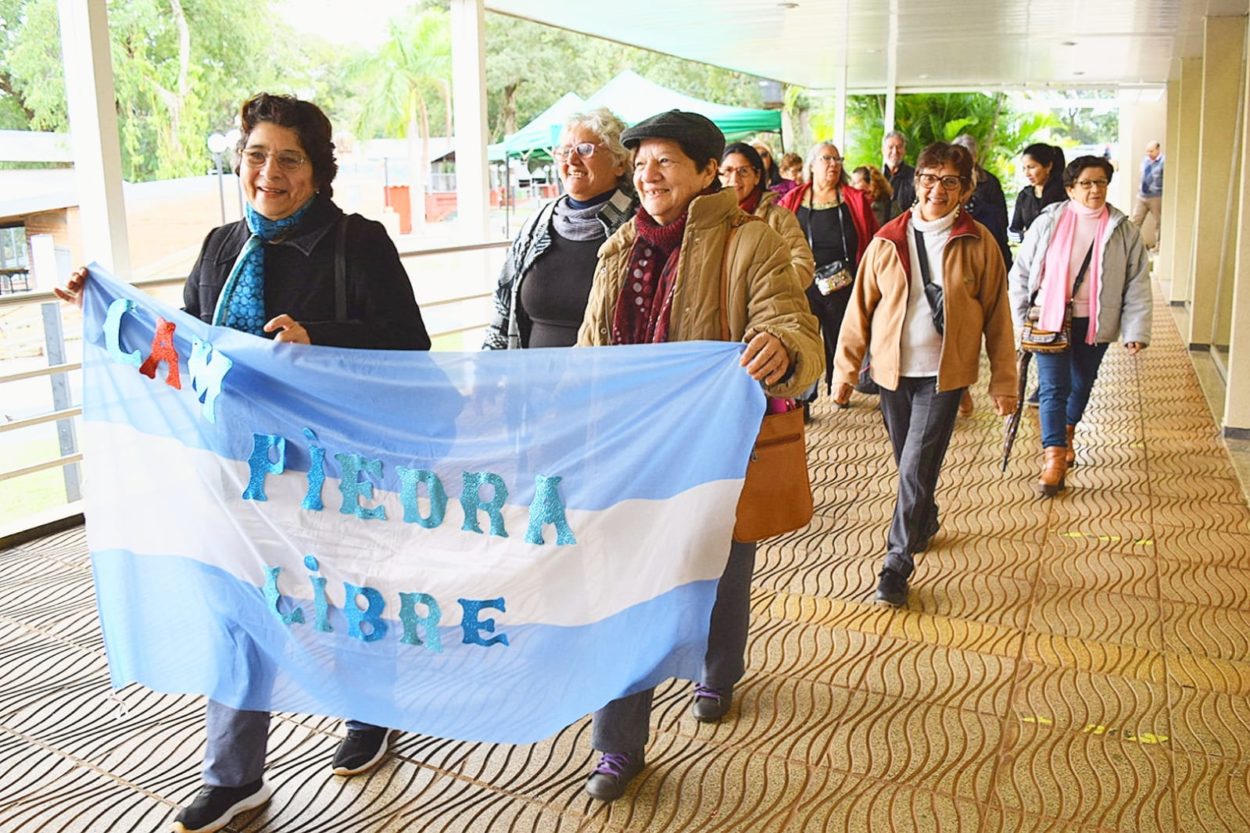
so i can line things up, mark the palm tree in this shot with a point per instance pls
(413, 65)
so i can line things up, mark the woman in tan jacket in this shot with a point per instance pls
(926, 345)
(660, 279)
(742, 171)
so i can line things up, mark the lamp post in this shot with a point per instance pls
(232, 141)
(217, 144)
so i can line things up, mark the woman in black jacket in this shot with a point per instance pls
(1042, 165)
(296, 269)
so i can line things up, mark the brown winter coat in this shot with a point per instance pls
(765, 294)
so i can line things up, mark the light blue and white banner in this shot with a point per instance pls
(483, 546)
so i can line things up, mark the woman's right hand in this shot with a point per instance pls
(71, 293)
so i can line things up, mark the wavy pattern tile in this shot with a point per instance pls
(1080, 665)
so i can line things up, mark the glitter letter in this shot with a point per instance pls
(316, 474)
(547, 508)
(320, 605)
(113, 333)
(473, 626)
(272, 595)
(208, 368)
(471, 502)
(260, 464)
(428, 623)
(371, 615)
(409, 483)
(353, 488)
(163, 351)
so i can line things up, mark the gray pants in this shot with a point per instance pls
(624, 725)
(235, 752)
(920, 422)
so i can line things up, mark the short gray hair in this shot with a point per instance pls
(607, 126)
(894, 134)
(968, 142)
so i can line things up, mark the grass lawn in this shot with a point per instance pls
(23, 496)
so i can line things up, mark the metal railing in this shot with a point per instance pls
(64, 412)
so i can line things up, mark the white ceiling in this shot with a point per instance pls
(952, 45)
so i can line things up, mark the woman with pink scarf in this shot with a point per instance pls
(1081, 252)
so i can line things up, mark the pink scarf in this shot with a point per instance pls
(1055, 293)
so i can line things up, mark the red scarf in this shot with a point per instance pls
(643, 308)
(752, 202)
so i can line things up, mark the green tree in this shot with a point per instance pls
(181, 69)
(409, 70)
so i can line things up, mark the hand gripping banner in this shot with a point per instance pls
(481, 546)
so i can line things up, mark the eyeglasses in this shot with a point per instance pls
(287, 160)
(1090, 184)
(829, 160)
(582, 149)
(744, 171)
(950, 183)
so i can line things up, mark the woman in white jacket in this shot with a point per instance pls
(1084, 252)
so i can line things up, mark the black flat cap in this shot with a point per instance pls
(698, 135)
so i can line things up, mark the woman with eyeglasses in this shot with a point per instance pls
(1080, 255)
(546, 277)
(838, 221)
(276, 274)
(742, 170)
(932, 285)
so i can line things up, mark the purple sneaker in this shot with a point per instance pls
(711, 704)
(613, 774)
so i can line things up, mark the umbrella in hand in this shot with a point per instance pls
(1013, 421)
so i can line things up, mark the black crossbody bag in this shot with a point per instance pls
(932, 292)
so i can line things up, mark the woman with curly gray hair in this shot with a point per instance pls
(546, 277)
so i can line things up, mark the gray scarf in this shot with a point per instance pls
(577, 223)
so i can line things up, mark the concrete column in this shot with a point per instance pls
(468, 62)
(1237, 387)
(93, 128)
(1181, 204)
(1223, 44)
(1171, 141)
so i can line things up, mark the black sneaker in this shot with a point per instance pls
(711, 704)
(361, 750)
(215, 807)
(892, 588)
(613, 774)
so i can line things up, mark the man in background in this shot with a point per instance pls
(901, 175)
(1150, 194)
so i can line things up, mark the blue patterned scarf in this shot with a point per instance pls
(241, 305)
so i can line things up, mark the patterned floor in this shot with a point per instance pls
(1074, 665)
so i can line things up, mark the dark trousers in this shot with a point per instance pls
(829, 310)
(1065, 381)
(920, 422)
(624, 725)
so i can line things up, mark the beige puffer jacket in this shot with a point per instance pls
(765, 295)
(783, 221)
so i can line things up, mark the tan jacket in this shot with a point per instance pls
(974, 298)
(783, 221)
(765, 295)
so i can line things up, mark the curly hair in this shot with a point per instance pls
(607, 126)
(1073, 171)
(310, 124)
(940, 153)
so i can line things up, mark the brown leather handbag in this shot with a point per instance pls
(776, 494)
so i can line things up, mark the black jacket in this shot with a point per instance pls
(988, 206)
(299, 281)
(903, 182)
(1029, 204)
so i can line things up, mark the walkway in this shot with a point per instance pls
(1074, 665)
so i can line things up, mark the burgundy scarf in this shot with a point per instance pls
(643, 308)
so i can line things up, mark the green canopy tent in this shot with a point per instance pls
(634, 98)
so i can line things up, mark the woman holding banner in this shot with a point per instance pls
(298, 270)
(689, 257)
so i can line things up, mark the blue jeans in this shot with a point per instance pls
(1065, 381)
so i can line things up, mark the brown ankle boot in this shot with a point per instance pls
(1053, 471)
(1070, 457)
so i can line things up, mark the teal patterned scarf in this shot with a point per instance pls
(241, 305)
